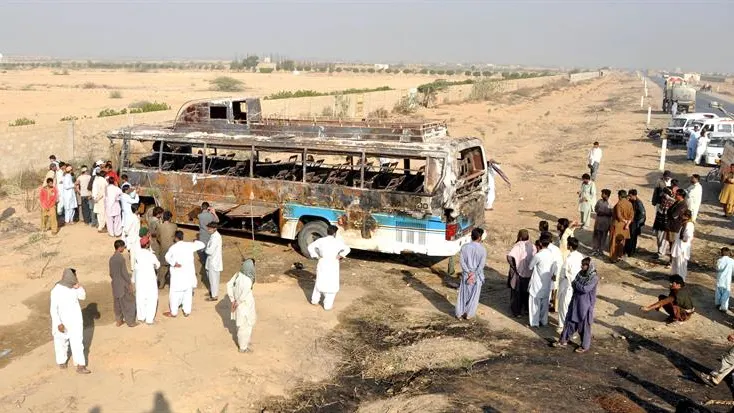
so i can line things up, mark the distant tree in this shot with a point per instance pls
(449, 72)
(250, 62)
(287, 65)
(408, 71)
(235, 65)
(476, 74)
(440, 72)
(371, 70)
(467, 73)
(423, 71)
(388, 70)
(338, 69)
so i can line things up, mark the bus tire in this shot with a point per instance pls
(310, 232)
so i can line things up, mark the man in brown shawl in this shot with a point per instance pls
(164, 233)
(622, 215)
(122, 287)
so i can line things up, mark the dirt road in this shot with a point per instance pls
(391, 343)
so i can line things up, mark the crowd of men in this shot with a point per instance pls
(544, 276)
(157, 255)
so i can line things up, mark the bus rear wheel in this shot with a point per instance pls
(310, 232)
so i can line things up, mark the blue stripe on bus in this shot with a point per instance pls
(432, 223)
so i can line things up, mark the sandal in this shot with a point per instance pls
(580, 350)
(558, 344)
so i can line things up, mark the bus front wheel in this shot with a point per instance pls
(310, 232)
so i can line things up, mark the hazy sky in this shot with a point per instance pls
(653, 34)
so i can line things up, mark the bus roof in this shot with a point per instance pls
(436, 147)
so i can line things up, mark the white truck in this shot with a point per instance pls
(677, 90)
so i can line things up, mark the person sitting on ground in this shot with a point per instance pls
(678, 303)
(727, 365)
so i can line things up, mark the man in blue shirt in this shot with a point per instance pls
(692, 143)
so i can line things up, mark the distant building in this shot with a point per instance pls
(266, 59)
(265, 65)
(381, 66)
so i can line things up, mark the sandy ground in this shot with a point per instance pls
(383, 346)
(46, 98)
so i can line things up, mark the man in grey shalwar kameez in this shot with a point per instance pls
(580, 314)
(122, 288)
(473, 258)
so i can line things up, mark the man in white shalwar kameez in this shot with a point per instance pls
(571, 268)
(695, 193)
(59, 181)
(145, 278)
(681, 249)
(129, 200)
(213, 264)
(68, 196)
(491, 188)
(329, 250)
(543, 265)
(131, 236)
(67, 323)
(239, 291)
(99, 188)
(701, 146)
(180, 257)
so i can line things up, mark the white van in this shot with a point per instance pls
(679, 126)
(720, 127)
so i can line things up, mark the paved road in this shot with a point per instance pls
(704, 99)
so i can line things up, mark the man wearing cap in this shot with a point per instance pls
(82, 188)
(68, 196)
(145, 279)
(128, 198)
(67, 323)
(99, 188)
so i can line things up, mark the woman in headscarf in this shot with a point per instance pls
(580, 314)
(726, 197)
(518, 278)
(239, 291)
(67, 324)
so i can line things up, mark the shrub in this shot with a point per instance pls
(485, 90)
(64, 72)
(266, 70)
(115, 94)
(22, 122)
(450, 72)
(380, 113)
(338, 69)
(287, 94)
(68, 118)
(145, 106)
(404, 106)
(226, 84)
(111, 112)
(388, 70)
(89, 85)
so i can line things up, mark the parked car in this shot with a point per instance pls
(679, 126)
(714, 150)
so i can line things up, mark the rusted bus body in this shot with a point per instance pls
(427, 210)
